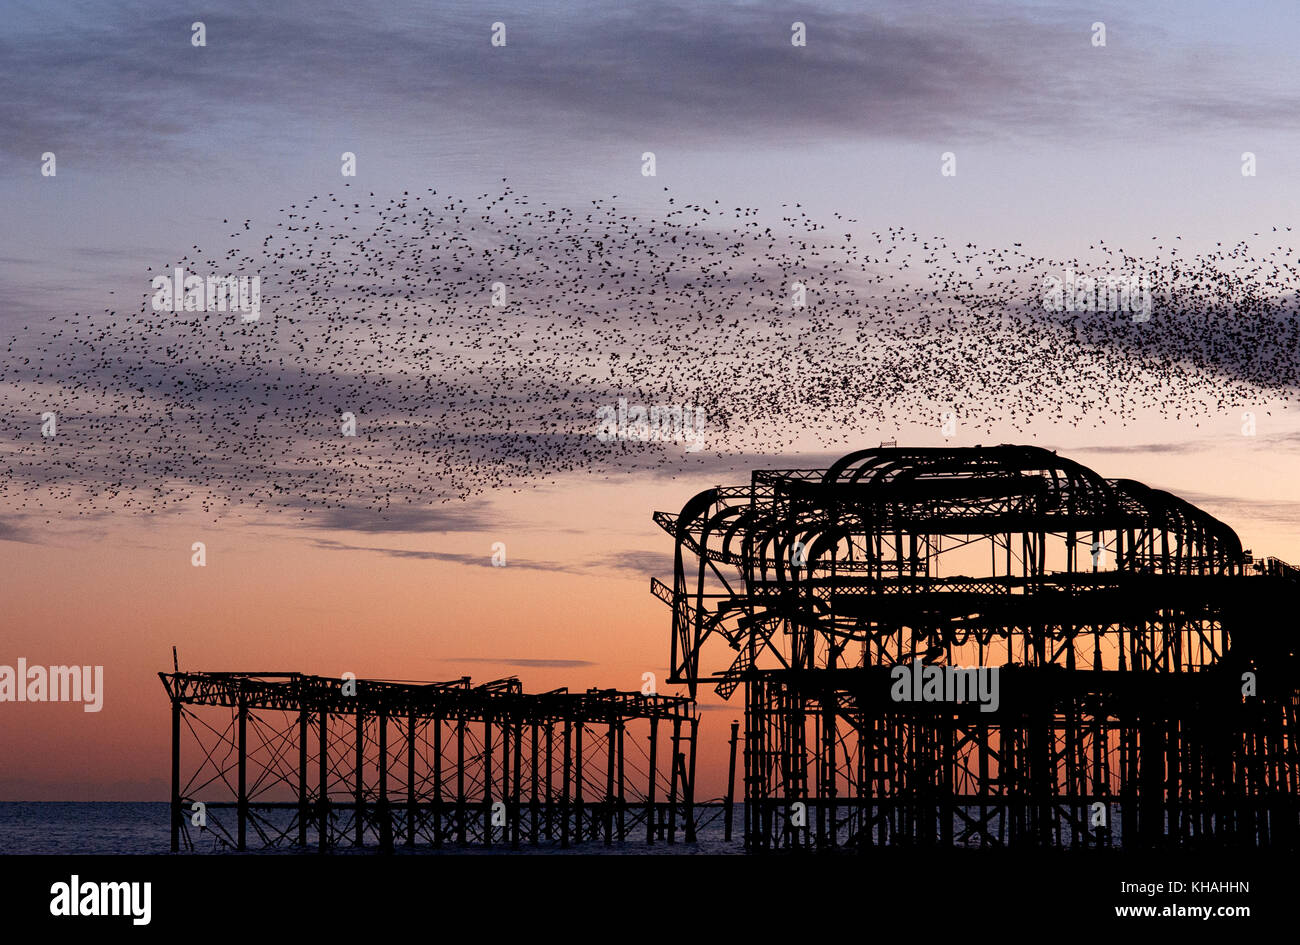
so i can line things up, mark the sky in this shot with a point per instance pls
(163, 147)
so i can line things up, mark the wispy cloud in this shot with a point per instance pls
(451, 518)
(1139, 448)
(9, 531)
(526, 663)
(1238, 508)
(640, 562)
(453, 557)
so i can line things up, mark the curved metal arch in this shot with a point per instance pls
(887, 465)
(874, 491)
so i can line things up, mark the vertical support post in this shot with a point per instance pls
(948, 794)
(731, 781)
(176, 775)
(564, 801)
(385, 815)
(577, 782)
(650, 787)
(410, 778)
(438, 819)
(674, 764)
(689, 787)
(1151, 812)
(359, 823)
(516, 811)
(532, 795)
(819, 777)
(751, 782)
(460, 780)
(862, 790)
(622, 799)
(611, 749)
(550, 779)
(487, 779)
(322, 802)
(830, 767)
(302, 776)
(243, 774)
(1011, 638)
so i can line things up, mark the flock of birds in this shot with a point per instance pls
(474, 341)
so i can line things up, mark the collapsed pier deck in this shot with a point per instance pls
(287, 760)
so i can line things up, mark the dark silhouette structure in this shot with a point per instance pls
(287, 760)
(989, 646)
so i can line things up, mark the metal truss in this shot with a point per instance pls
(1147, 695)
(294, 761)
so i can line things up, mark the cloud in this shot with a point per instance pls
(642, 562)
(1265, 442)
(20, 533)
(1237, 509)
(453, 518)
(734, 468)
(125, 82)
(526, 663)
(467, 558)
(1163, 448)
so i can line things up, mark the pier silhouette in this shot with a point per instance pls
(1136, 688)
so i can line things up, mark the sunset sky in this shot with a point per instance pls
(1059, 144)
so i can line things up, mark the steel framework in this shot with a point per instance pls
(288, 760)
(1146, 692)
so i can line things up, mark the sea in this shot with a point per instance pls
(129, 827)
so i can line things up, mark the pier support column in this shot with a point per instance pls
(303, 812)
(176, 776)
(650, 784)
(242, 798)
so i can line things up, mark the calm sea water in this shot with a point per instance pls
(98, 827)
(142, 827)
